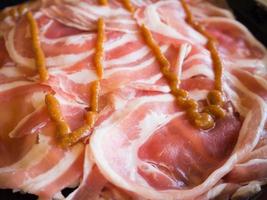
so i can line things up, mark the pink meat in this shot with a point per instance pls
(142, 146)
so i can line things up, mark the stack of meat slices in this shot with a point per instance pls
(142, 145)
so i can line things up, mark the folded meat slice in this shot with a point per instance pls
(161, 155)
(34, 163)
(92, 181)
(18, 100)
(8, 70)
(143, 145)
(34, 122)
(255, 161)
(44, 169)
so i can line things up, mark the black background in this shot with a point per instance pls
(252, 15)
(247, 11)
(5, 3)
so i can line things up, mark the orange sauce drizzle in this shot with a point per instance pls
(64, 136)
(103, 2)
(55, 114)
(211, 45)
(165, 65)
(201, 120)
(75, 136)
(215, 97)
(95, 89)
(99, 54)
(65, 139)
(128, 5)
(39, 54)
(217, 63)
(90, 116)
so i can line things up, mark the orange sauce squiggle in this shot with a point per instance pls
(53, 108)
(99, 50)
(38, 52)
(211, 45)
(215, 97)
(91, 116)
(200, 120)
(128, 5)
(103, 2)
(95, 89)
